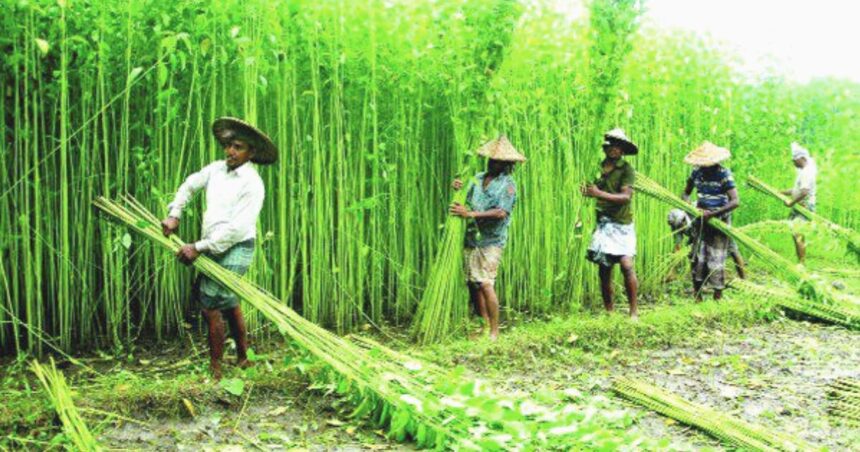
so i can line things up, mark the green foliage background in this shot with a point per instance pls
(374, 105)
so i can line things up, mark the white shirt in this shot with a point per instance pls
(806, 181)
(234, 199)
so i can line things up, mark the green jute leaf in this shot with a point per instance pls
(235, 386)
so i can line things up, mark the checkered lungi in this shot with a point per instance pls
(237, 259)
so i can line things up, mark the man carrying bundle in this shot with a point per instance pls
(490, 202)
(234, 198)
(803, 192)
(680, 223)
(716, 197)
(614, 240)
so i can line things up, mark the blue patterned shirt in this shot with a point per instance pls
(501, 193)
(712, 186)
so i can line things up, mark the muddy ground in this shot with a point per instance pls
(774, 374)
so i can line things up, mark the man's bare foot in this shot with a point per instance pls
(634, 316)
(245, 364)
(494, 335)
(216, 373)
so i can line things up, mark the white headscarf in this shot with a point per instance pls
(798, 152)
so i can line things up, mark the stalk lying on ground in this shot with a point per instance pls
(844, 397)
(782, 267)
(851, 238)
(721, 426)
(838, 312)
(413, 400)
(60, 395)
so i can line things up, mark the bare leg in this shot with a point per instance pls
(606, 287)
(697, 290)
(800, 247)
(477, 297)
(491, 304)
(239, 334)
(740, 265)
(216, 340)
(631, 283)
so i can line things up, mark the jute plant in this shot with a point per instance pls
(61, 398)
(412, 399)
(794, 273)
(839, 312)
(719, 425)
(849, 236)
(844, 395)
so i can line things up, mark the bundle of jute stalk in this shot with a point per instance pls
(844, 397)
(838, 312)
(850, 237)
(61, 398)
(441, 304)
(412, 399)
(719, 425)
(794, 273)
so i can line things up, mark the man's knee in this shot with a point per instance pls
(626, 264)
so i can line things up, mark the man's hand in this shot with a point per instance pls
(588, 190)
(457, 184)
(169, 225)
(187, 254)
(459, 210)
(706, 214)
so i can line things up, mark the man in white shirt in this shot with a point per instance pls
(802, 193)
(234, 198)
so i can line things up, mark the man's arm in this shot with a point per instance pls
(800, 196)
(734, 203)
(461, 211)
(624, 197)
(186, 191)
(688, 190)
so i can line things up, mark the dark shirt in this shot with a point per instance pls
(622, 175)
(712, 185)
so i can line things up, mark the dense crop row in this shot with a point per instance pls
(374, 105)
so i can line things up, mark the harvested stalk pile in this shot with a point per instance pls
(61, 398)
(837, 312)
(844, 397)
(441, 303)
(721, 426)
(796, 274)
(412, 399)
(850, 237)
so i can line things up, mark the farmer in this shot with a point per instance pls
(716, 197)
(680, 223)
(489, 201)
(234, 197)
(614, 239)
(803, 192)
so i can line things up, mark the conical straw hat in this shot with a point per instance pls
(619, 138)
(501, 149)
(265, 151)
(708, 154)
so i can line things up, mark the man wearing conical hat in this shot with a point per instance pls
(716, 197)
(489, 203)
(234, 197)
(614, 239)
(802, 193)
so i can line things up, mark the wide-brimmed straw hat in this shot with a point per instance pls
(708, 154)
(500, 149)
(616, 137)
(226, 128)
